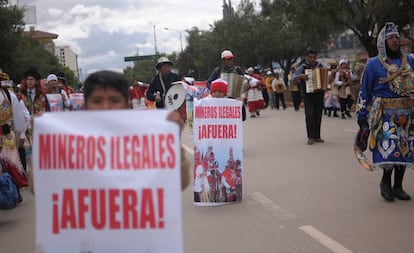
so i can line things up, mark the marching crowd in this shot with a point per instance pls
(387, 80)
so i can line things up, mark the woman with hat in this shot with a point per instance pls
(161, 82)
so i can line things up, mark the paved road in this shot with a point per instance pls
(297, 198)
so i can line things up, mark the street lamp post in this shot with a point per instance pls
(181, 38)
(155, 39)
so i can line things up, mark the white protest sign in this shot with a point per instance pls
(55, 102)
(107, 181)
(77, 101)
(218, 151)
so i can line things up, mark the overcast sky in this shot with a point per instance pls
(103, 32)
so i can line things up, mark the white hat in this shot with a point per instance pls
(51, 77)
(162, 60)
(227, 54)
(269, 72)
(342, 61)
(250, 69)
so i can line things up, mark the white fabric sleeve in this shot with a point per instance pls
(19, 112)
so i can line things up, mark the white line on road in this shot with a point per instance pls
(351, 130)
(267, 203)
(324, 239)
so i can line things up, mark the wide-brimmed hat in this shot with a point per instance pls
(162, 60)
(32, 71)
(3, 76)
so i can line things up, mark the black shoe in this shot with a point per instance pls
(386, 192)
(257, 113)
(336, 115)
(400, 194)
(343, 116)
(348, 114)
(252, 116)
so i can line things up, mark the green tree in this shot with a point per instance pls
(32, 54)
(11, 27)
(366, 17)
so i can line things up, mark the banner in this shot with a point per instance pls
(193, 92)
(76, 100)
(218, 151)
(107, 181)
(55, 102)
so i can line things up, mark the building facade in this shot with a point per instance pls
(67, 58)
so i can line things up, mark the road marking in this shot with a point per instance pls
(273, 207)
(324, 239)
(351, 130)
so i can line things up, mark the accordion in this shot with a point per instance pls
(236, 84)
(317, 79)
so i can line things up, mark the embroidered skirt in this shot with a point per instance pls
(392, 140)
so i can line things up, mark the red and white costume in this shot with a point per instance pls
(255, 99)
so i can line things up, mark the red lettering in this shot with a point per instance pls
(127, 153)
(136, 156)
(68, 219)
(62, 144)
(82, 207)
(98, 209)
(147, 209)
(170, 147)
(113, 209)
(101, 161)
(146, 160)
(71, 151)
(80, 148)
(130, 214)
(45, 154)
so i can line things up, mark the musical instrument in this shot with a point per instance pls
(235, 83)
(175, 96)
(317, 79)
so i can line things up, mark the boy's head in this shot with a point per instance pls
(105, 90)
(218, 88)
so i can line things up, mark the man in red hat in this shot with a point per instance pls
(227, 66)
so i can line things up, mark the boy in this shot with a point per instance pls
(218, 89)
(108, 90)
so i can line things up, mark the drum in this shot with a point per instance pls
(175, 96)
(235, 83)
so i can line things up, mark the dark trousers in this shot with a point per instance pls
(22, 155)
(280, 97)
(265, 98)
(313, 112)
(344, 104)
(296, 99)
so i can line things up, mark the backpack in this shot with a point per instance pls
(9, 194)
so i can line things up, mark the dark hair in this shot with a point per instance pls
(311, 51)
(106, 79)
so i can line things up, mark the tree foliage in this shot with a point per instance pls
(11, 27)
(283, 30)
(18, 52)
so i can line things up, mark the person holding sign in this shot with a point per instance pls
(218, 130)
(109, 174)
(108, 90)
(56, 97)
